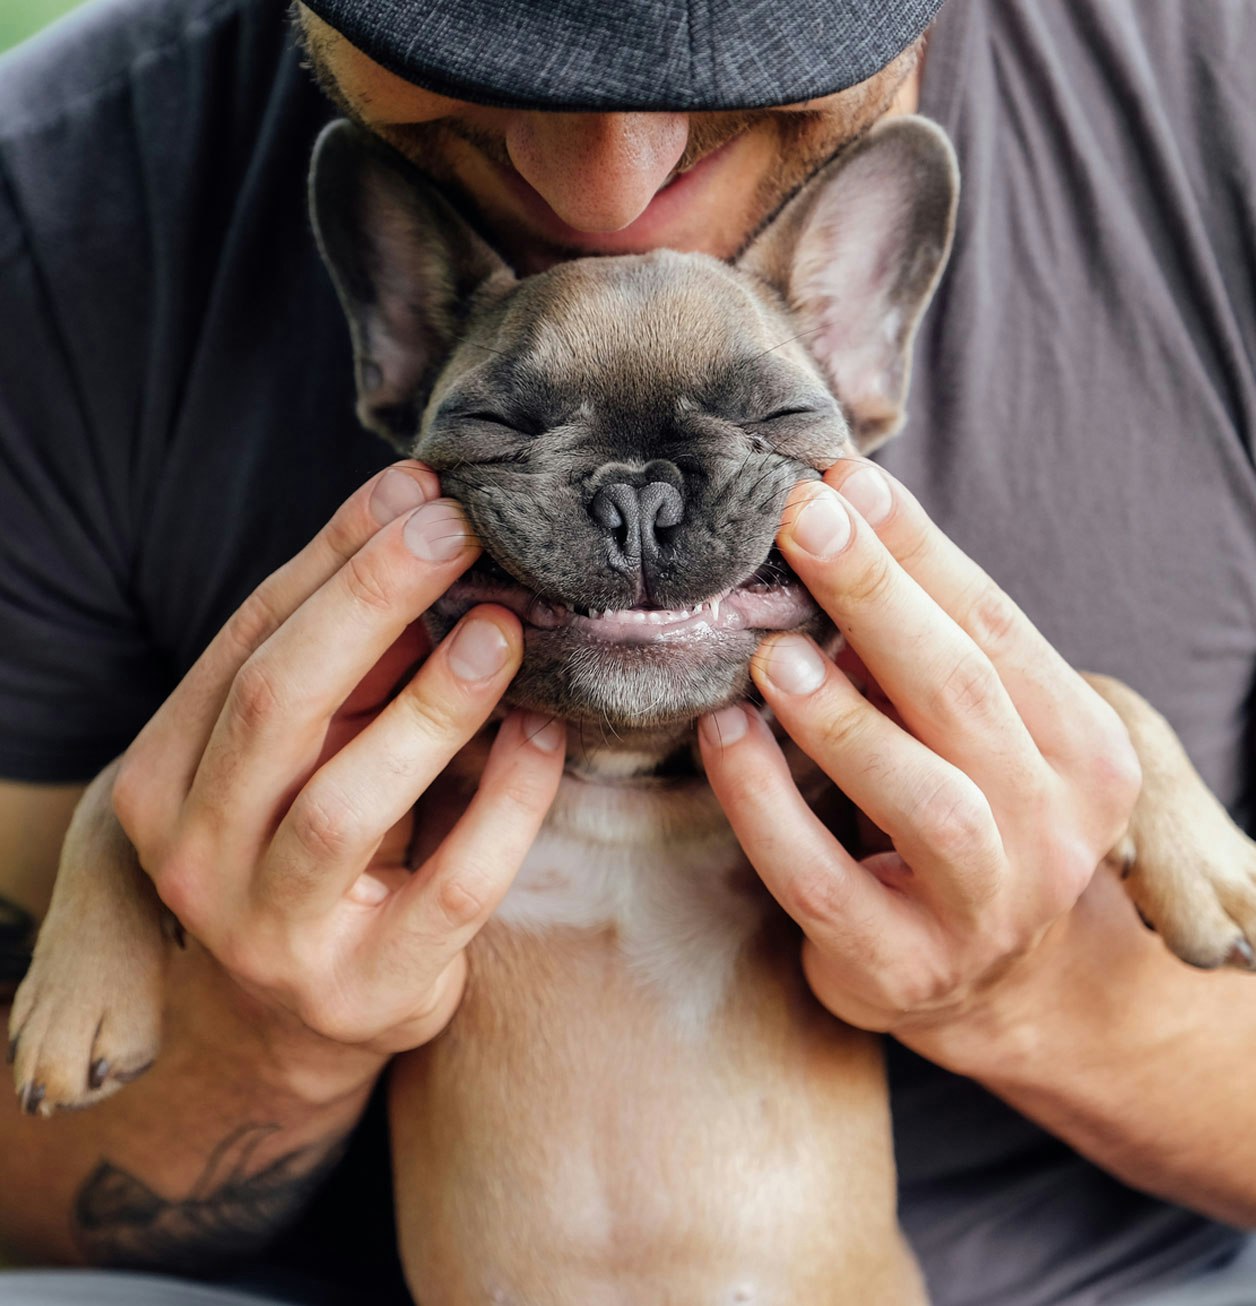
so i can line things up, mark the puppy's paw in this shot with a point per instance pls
(87, 1018)
(1200, 897)
(82, 1026)
(73, 1044)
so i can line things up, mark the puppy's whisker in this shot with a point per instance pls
(544, 726)
(458, 341)
(780, 344)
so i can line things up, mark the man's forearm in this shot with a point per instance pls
(201, 1160)
(1137, 1061)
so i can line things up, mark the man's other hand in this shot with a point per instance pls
(1000, 777)
(270, 798)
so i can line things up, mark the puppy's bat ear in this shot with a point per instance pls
(407, 268)
(857, 255)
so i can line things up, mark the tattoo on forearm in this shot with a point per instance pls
(17, 940)
(230, 1211)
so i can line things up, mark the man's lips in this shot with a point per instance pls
(754, 605)
(650, 229)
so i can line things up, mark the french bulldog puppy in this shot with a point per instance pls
(638, 1100)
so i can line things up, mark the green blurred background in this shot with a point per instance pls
(20, 18)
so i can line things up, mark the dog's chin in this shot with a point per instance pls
(641, 675)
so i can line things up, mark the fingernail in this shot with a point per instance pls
(544, 732)
(396, 492)
(725, 727)
(823, 527)
(795, 665)
(479, 650)
(438, 532)
(870, 494)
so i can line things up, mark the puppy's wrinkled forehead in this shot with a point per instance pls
(620, 333)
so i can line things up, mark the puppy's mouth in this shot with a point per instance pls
(773, 598)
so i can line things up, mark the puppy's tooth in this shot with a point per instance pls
(715, 610)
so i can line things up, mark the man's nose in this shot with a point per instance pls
(597, 171)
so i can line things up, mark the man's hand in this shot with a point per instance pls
(1000, 777)
(270, 797)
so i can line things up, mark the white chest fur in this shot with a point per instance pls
(656, 863)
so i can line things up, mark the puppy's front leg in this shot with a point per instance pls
(1189, 869)
(87, 1017)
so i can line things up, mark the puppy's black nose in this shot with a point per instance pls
(636, 520)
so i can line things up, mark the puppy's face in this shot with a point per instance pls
(623, 432)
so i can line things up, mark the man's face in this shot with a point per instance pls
(555, 185)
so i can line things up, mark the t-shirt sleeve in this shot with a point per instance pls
(78, 677)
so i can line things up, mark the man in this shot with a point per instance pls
(174, 420)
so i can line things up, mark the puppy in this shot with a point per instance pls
(638, 1100)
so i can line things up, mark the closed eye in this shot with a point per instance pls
(789, 412)
(493, 419)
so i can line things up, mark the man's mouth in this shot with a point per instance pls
(771, 599)
(647, 231)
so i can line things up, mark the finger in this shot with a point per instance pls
(448, 901)
(161, 762)
(816, 881)
(338, 820)
(936, 816)
(945, 688)
(1050, 696)
(269, 736)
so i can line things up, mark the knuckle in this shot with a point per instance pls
(969, 688)
(253, 622)
(953, 818)
(1072, 865)
(1118, 768)
(434, 715)
(464, 898)
(325, 825)
(366, 584)
(989, 616)
(872, 584)
(257, 700)
(521, 794)
(818, 894)
(181, 884)
(844, 725)
(350, 527)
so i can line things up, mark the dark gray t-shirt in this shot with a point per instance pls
(176, 420)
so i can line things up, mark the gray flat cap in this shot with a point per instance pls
(631, 54)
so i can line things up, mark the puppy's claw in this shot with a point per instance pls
(30, 1097)
(97, 1073)
(1241, 956)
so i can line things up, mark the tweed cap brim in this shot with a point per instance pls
(631, 54)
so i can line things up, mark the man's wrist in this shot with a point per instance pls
(272, 1049)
